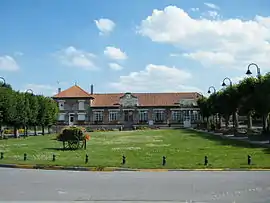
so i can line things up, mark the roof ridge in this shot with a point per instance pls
(148, 93)
(82, 89)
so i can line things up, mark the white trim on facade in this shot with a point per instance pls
(128, 109)
(114, 110)
(97, 109)
(189, 109)
(143, 109)
(81, 100)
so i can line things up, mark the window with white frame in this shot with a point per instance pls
(159, 115)
(113, 116)
(176, 115)
(81, 116)
(143, 116)
(61, 105)
(61, 117)
(194, 115)
(81, 105)
(98, 116)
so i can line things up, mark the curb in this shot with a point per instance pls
(112, 169)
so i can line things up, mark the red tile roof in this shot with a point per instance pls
(73, 92)
(113, 99)
(145, 99)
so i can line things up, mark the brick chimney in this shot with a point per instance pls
(92, 89)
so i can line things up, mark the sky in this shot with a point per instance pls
(131, 46)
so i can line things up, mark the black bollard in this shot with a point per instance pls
(249, 159)
(123, 160)
(53, 157)
(2, 155)
(24, 156)
(205, 160)
(163, 160)
(86, 158)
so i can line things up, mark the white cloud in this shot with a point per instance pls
(115, 66)
(105, 26)
(228, 43)
(71, 56)
(41, 89)
(17, 53)
(211, 15)
(115, 53)
(212, 6)
(194, 9)
(7, 63)
(155, 78)
(175, 55)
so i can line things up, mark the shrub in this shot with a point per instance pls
(89, 129)
(71, 133)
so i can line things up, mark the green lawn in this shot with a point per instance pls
(143, 149)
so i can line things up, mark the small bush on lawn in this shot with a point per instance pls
(71, 133)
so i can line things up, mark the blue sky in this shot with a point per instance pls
(137, 46)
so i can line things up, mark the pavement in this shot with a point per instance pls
(180, 186)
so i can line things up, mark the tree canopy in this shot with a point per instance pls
(22, 109)
(249, 97)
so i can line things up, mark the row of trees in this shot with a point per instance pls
(18, 109)
(250, 97)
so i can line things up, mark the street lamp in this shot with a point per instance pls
(224, 84)
(3, 83)
(209, 92)
(29, 91)
(257, 67)
(209, 89)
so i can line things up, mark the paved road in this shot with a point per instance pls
(185, 186)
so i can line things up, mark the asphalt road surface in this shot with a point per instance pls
(185, 186)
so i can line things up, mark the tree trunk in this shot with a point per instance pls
(265, 123)
(43, 130)
(26, 131)
(15, 131)
(35, 130)
(227, 119)
(220, 121)
(235, 119)
(249, 120)
(1, 131)
(49, 130)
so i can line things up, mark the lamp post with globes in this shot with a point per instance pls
(3, 84)
(224, 85)
(257, 67)
(209, 90)
(28, 91)
(214, 92)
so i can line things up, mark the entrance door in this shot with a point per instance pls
(71, 119)
(128, 115)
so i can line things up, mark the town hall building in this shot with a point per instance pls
(79, 107)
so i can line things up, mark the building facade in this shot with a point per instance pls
(78, 107)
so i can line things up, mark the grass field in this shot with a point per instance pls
(143, 149)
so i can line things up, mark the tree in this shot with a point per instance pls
(246, 89)
(42, 112)
(34, 110)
